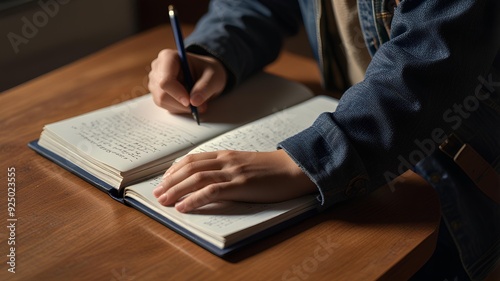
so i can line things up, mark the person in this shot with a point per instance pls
(420, 85)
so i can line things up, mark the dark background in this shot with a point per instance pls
(62, 31)
(153, 12)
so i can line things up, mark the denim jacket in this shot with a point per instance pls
(428, 59)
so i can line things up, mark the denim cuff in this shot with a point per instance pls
(327, 157)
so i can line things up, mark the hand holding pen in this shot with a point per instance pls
(171, 90)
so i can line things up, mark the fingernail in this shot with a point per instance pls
(162, 198)
(165, 175)
(159, 188)
(156, 191)
(180, 206)
(184, 102)
(196, 99)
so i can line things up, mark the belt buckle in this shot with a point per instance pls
(473, 165)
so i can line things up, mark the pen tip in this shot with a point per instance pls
(196, 118)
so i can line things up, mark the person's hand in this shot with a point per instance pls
(260, 177)
(166, 81)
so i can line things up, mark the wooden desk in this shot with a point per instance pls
(68, 230)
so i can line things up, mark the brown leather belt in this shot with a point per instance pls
(474, 166)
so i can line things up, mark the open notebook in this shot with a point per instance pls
(122, 149)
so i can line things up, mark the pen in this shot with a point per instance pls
(179, 41)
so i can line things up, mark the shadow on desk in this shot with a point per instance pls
(384, 212)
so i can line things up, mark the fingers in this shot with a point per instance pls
(182, 170)
(210, 83)
(166, 81)
(189, 164)
(209, 194)
(200, 177)
(202, 188)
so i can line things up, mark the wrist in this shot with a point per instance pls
(299, 179)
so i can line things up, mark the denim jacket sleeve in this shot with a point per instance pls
(245, 35)
(393, 118)
(400, 112)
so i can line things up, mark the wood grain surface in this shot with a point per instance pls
(68, 230)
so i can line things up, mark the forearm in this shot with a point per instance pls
(244, 35)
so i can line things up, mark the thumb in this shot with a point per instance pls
(209, 85)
